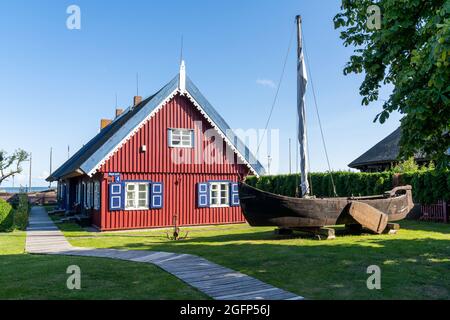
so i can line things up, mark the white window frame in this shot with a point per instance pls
(83, 188)
(220, 184)
(78, 193)
(96, 195)
(181, 133)
(136, 195)
(88, 202)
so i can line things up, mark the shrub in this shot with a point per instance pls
(6, 216)
(21, 212)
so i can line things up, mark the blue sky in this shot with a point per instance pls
(56, 84)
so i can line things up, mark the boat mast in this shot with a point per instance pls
(301, 89)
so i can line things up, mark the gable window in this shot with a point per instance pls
(219, 194)
(96, 195)
(136, 195)
(181, 138)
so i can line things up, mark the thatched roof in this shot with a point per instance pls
(385, 151)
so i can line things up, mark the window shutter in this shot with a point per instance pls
(156, 195)
(192, 138)
(116, 199)
(202, 195)
(234, 194)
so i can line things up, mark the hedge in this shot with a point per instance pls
(21, 212)
(14, 214)
(428, 186)
(6, 216)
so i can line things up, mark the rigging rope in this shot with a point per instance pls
(278, 89)
(318, 118)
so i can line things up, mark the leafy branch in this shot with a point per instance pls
(11, 165)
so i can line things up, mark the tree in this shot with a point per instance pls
(410, 50)
(408, 165)
(10, 165)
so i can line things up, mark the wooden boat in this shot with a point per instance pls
(372, 212)
(262, 208)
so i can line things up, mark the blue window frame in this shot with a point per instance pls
(116, 195)
(217, 193)
(203, 195)
(156, 196)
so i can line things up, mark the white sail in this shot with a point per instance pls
(302, 80)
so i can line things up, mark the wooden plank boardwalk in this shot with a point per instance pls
(44, 237)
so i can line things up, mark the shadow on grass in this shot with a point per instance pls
(411, 269)
(413, 265)
(26, 276)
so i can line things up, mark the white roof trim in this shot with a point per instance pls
(132, 132)
(154, 111)
(222, 134)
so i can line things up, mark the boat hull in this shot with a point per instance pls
(262, 208)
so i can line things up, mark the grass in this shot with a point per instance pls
(415, 263)
(49, 207)
(26, 276)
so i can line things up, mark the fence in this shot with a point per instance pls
(435, 212)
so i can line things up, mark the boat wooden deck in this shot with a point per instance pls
(44, 237)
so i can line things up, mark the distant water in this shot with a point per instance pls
(21, 189)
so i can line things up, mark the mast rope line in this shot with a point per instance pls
(278, 89)
(318, 118)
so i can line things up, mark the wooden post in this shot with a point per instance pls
(29, 181)
(444, 209)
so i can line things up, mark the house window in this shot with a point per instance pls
(136, 195)
(181, 138)
(83, 193)
(96, 195)
(219, 194)
(78, 193)
(88, 203)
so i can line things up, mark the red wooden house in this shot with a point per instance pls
(169, 156)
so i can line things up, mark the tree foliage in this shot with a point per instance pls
(411, 51)
(11, 165)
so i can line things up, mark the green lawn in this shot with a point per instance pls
(26, 276)
(415, 263)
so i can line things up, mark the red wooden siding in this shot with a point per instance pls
(156, 165)
(179, 198)
(177, 113)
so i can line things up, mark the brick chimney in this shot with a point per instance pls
(104, 123)
(137, 100)
(119, 112)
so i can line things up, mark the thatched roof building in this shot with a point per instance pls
(383, 155)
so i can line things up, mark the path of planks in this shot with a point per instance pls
(44, 237)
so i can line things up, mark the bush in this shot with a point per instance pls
(21, 212)
(428, 185)
(6, 216)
